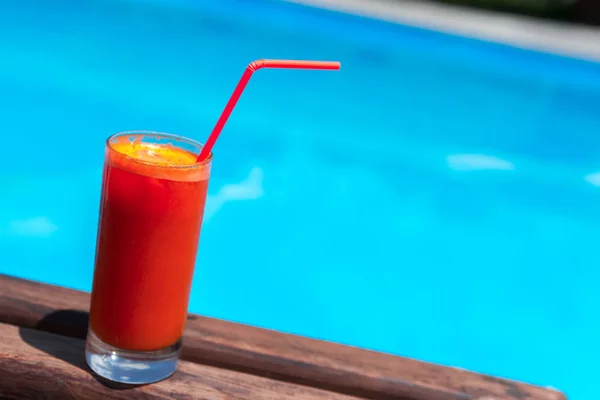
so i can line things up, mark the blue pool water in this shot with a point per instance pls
(437, 198)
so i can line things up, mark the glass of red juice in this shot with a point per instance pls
(152, 203)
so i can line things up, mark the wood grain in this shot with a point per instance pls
(40, 365)
(276, 355)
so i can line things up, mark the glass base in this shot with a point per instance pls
(131, 367)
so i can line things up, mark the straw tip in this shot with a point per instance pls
(332, 65)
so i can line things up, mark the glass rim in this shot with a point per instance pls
(177, 138)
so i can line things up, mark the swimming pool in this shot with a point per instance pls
(437, 198)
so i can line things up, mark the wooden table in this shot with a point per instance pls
(43, 327)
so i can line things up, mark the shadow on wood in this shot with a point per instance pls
(72, 323)
(62, 322)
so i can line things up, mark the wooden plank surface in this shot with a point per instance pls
(276, 355)
(40, 365)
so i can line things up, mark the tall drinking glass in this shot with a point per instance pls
(153, 196)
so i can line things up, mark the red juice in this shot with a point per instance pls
(153, 197)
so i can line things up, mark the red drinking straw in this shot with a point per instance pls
(253, 66)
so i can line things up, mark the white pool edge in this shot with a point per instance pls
(547, 36)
